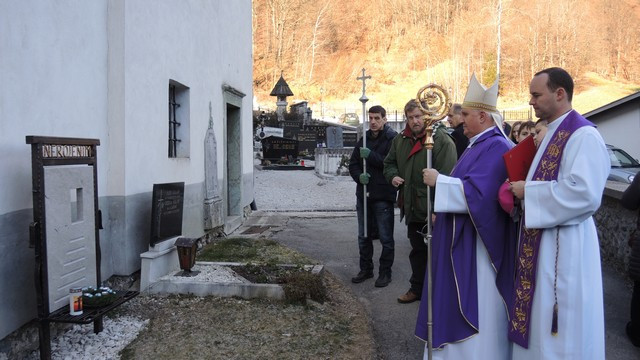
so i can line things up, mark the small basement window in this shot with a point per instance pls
(178, 120)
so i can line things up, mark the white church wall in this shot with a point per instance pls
(620, 127)
(54, 83)
(101, 69)
(221, 54)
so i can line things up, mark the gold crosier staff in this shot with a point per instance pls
(437, 102)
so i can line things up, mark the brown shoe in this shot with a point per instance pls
(409, 297)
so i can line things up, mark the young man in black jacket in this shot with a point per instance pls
(380, 197)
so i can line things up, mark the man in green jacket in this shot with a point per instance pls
(403, 169)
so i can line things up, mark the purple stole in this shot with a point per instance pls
(455, 288)
(527, 262)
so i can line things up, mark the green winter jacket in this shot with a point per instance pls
(412, 198)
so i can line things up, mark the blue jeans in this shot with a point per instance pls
(379, 215)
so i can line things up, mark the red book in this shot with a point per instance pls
(518, 160)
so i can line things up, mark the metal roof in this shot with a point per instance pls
(281, 88)
(613, 104)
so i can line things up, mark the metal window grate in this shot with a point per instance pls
(173, 123)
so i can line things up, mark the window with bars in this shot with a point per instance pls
(178, 120)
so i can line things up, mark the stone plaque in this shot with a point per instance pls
(71, 231)
(349, 138)
(166, 211)
(276, 148)
(334, 137)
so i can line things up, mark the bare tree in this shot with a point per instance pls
(314, 39)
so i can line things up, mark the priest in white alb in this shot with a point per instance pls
(558, 306)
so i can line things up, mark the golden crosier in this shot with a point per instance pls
(438, 104)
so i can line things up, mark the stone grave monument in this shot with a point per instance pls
(275, 148)
(334, 137)
(213, 206)
(307, 141)
(65, 232)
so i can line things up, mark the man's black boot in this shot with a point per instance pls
(362, 276)
(383, 279)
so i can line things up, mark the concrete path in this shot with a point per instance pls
(330, 237)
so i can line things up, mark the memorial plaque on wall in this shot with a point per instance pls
(166, 211)
(307, 141)
(276, 148)
(349, 138)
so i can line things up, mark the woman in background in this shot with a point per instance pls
(526, 129)
(515, 129)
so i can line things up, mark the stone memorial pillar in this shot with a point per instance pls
(213, 207)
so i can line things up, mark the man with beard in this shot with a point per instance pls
(403, 169)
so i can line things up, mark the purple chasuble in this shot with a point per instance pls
(525, 286)
(455, 289)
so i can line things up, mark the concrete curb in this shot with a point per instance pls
(245, 290)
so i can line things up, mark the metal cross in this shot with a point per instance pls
(364, 100)
(364, 78)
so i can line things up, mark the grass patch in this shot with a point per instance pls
(259, 251)
(189, 327)
(298, 286)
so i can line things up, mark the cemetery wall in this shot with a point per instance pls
(614, 224)
(101, 69)
(328, 161)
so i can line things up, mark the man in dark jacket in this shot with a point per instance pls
(380, 197)
(403, 169)
(455, 119)
(631, 200)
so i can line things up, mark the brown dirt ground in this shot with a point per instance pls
(190, 327)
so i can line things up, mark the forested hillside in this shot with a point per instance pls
(322, 45)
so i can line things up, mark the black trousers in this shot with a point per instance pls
(417, 256)
(635, 310)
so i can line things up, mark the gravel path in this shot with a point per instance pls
(302, 190)
(80, 342)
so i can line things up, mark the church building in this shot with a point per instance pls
(164, 86)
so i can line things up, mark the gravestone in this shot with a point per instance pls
(290, 128)
(307, 140)
(334, 137)
(65, 232)
(276, 148)
(166, 211)
(349, 138)
(321, 133)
